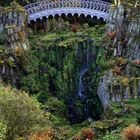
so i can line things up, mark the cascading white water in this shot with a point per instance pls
(85, 67)
(81, 86)
(83, 70)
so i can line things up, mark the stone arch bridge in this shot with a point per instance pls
(44, 8)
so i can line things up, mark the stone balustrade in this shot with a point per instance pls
(44, 8)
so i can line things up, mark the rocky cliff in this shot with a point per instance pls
(13, 29)
(122, 80)
(13, 41)
(125, 26)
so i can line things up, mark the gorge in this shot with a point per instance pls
(69, 70)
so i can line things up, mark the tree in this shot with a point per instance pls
(56, 107)
(2, 130)
(135, 3)
(19, 112)
(21, 2)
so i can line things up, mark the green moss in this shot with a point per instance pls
(15, 7)
(116, 107)
(132, 105)
(10, 26)
(124, 117)
(69, 38)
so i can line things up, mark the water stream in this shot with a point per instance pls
(81, 85)
(83, 70)
(81, 89)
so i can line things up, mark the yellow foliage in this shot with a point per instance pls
(19, 51)
(1, 62)
(124, 80)
(22, 35)
(118, 70)
(121, 61)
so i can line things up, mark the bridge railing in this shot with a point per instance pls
(89, 4)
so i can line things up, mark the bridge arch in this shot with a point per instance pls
(44, 8)
(63, 14)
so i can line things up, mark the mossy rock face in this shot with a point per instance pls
(116, 109)
(135, 69)
(13, 7)
(13, 26)
(130, 109)
(22, 35)
(108, 114)
(106, 125)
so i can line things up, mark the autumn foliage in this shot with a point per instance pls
(19, 51)
(77, 137)
(118, 71)
(87, 133)
(125, 80)
(121, 61)
(46, 135)
(111, 35)
(74, 28)
(136, 62)
(131, 133)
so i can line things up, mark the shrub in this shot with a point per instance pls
(118, 71)
(131, 133)
(55, 106)
(20, 112)
(2, 130)
(136, 62)
(77, 137)
(87, 133)
(111, 35)
(111, 136)
(121, 61)
(46, 135)
(19, 51)
(74, 28)
(124, 80)
(138, 119)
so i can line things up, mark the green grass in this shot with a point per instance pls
(134, 102)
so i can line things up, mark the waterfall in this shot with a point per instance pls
(86, 54)
(81, 85)
(81, 90)
(83, 70)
